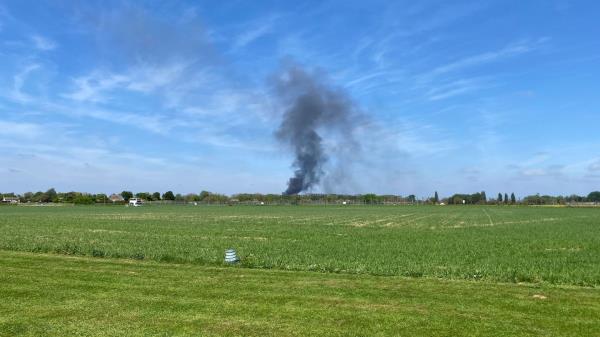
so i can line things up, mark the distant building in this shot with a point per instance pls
(116, 198)
(10, 200)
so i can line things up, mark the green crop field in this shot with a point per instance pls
(506, 244)
(335, 270)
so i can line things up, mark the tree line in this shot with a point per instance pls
(480, 198)
(536, 199)
(206, 197)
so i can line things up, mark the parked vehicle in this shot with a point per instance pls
(135, 202)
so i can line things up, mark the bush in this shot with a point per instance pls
(84, 200)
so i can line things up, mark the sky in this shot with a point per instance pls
(454, 97)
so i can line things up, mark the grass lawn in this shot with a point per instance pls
(56, 295)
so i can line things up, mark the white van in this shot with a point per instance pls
(135, 202)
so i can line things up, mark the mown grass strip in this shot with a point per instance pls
(52, 295)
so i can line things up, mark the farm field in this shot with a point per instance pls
(305, 271)
(501, 244)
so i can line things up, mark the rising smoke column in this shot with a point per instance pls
(311, 109)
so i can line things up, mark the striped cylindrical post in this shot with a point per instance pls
(231, 256)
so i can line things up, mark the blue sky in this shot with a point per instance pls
(499, 96)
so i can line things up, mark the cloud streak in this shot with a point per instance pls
(42, 43)
(17, 93)
(488, 57)
(254, 31)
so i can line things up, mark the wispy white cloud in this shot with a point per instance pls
(17, 92)
(412, 138)
(92, 87)
(449, 80)
(537, 159)
(455, 88)
(43, 43)
(435, 18)
(595, 166)
(365, 77)
(533, 172)
(250, 36)
(488, 57)
(253, 30)
(77, 162)
(155, 123)
(20, 129)
(145, 78)
(551, 171)
(74, 151)
(542, 166)
(193, 99)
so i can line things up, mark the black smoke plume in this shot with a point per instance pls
(312, 110)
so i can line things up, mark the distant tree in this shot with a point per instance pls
(168, 195)
(575, 198)
(457, 199)
(215, 198)
(513, 199)
(540, 200)
(271, 198)
(84, 199)
(505, 198)
(475, 198)
(411, 198)
(127, 195)
(204, 195)
(155, 196)
(500, 198)
(436, 198)
(68, 197)
(49, 196)
(143, 195)
(369, 198)
(101, 197)
(38, 196)
(191, 197)
(594, 196)
(27, 197)
(483, 197)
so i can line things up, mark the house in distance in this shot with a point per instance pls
(10, 200)
(116, 198)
